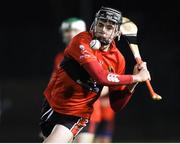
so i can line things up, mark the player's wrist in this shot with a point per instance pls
(136, 78)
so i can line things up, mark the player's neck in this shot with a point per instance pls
(105, 47)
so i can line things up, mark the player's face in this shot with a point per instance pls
(69, 34)
(105, 30)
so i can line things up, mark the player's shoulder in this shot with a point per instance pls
(84, 35)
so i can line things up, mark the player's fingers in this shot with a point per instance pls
(142, 65)
(148, 76)
(136, 69)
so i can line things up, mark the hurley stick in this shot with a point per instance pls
(129, 29)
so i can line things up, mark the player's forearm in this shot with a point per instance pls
(104, 77)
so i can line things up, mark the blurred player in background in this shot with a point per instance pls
(68, 29)
(101, 125)
(105, 129)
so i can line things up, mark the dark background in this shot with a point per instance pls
(29, 41)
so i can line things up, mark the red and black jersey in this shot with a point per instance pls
(69, 95)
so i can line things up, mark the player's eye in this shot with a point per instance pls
(109, 27)
(100, 25)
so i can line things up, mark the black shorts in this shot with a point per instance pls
(50, 118)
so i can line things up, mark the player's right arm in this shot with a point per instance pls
(104, 77)
(81, 52)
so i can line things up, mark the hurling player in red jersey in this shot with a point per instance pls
(79, 79)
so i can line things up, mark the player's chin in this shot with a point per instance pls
(100, 35)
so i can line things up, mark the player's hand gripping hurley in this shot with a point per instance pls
(128, 28)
